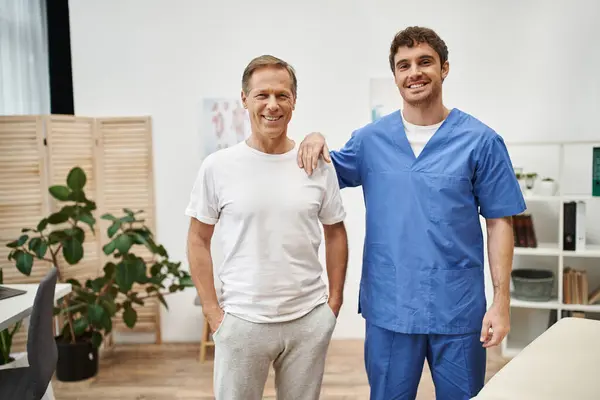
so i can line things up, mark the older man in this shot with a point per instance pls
(274, 306)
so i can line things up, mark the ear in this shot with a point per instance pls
(445, 70)
(244, 98)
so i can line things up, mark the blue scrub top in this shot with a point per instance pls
(423, 255)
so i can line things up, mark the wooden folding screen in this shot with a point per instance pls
(23, 189)
(124, 165)
(39, 151)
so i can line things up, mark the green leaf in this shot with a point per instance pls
(136, 299)
(76, 179)
(34, 243)
(14, 244)
(80, 325)
(125, 277)
(127, 218)
(22, 240)
(108, 217)
(186, 281)
(59, 192)
(96, 339)
(156, 268)
(109, 306)
(109, 247)
(38, 246)
(123, 243)
(42, 225)
(109, 269)
(97, 284)
(24, 262)
(87, 218)
(77, 196)
(72, 251)
(58, 218)
(162, 300)
(140, 270)
(74, 283)
(130, 316)
(114, 228)
(95, 313)
(76, 233)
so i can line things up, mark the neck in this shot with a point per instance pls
(425, 114)
(278, 145)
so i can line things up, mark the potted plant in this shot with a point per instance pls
(547, 187)
(127, 279)
(7, 358)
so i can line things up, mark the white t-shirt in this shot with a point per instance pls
(418, 135)
(269, 211)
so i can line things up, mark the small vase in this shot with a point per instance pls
(547, 188)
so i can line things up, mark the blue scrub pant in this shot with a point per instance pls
(394, 363)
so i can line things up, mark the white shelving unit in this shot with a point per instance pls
(534, 316)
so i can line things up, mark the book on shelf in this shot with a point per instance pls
(576, 288)
(524, 231)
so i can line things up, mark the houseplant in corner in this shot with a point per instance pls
(127, 279)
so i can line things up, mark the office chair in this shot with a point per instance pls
(31, 383)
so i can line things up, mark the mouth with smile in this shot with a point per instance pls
(417, 85)
(272, 118)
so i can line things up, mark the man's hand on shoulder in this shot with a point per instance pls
(312, 147)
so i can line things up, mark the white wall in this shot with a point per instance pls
(526, 68)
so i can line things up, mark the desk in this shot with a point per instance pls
(561, 363)
(18, 307)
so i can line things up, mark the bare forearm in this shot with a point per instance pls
(500, 254)
(336, 250)
(201, 271)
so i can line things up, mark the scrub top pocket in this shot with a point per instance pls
(450, 199)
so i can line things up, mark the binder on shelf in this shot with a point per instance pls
(569, 222)
(596, 172)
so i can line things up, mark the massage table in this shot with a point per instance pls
(563, 363)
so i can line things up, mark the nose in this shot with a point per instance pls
(272, 104)
(414, 70)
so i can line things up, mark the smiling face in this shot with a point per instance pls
(419, 74)
(270, 101)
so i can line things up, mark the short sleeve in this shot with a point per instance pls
(347, 162)
(332, 208)
(496, 187)
(203, 204)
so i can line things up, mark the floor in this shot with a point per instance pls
(172, 372)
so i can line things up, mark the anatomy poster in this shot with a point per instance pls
(225, 122)
(384, 97)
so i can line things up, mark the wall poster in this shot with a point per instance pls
(225, 122)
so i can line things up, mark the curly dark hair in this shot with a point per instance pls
(414, 35)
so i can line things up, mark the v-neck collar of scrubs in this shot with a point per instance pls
(439, 138)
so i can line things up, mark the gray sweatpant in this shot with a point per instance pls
(244, 352)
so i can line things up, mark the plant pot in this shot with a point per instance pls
(547, 188)
(76, 361)
(20, 361)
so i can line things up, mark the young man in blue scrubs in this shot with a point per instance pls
(427, 173)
